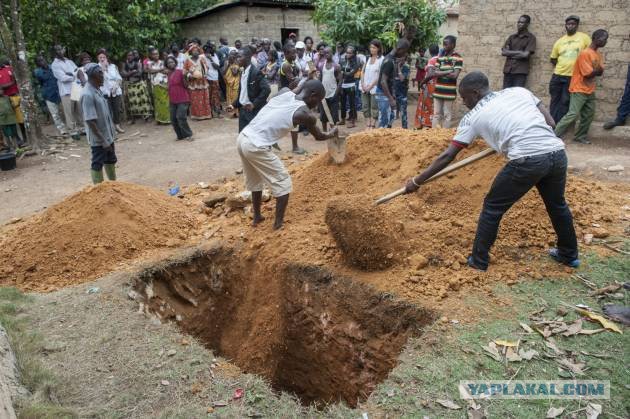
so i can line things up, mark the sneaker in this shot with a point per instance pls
(472, 264)
(612, 124)
(582, 141)
(553, 253)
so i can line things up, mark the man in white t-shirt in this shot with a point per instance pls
(260, 165)
(516, 124)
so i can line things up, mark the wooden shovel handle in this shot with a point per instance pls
(453, 167)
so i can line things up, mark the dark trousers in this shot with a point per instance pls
(624, 105)
(179, 120)
(101, 156)
(333, 106)
(514, 80)
(348, 97)
(245, 117)
(115, 107)
(560, 98)
(548, 173)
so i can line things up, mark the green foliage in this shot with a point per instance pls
(117, 25)
(360, 21)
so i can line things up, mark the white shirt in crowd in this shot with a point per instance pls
(371, 72)
(181, 59)
(112, 81)
(60, 69)
(274, 120)
(243, 99)
(511, 123)
(212, 74)
(329, 80)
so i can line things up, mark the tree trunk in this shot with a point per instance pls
(17, 52)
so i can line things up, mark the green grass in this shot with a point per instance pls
(27, 347)
(433, 365)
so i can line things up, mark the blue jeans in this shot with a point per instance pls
(384, 111)
(401, 103)
(548, 173)
(624, 105)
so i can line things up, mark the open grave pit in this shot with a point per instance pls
(322, 337)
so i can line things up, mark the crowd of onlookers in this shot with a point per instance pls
(205, 80)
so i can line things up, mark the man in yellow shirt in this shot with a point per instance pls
(588, 66)
(563, 55)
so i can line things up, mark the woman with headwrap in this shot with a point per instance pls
(139, 103)
(195, 70)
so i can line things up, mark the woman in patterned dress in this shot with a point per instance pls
(195, 69)
(138, 100)
(232, 77)
(426, 87)
(157, 77)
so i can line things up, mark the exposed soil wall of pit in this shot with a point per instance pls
(321, 337)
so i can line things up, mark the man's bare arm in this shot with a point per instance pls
(543, 110)
(438, 164)
(303, 117)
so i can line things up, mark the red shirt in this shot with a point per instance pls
(6, 76)
(177, 92)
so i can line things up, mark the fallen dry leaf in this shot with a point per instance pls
(605, 290)
(526, 328)
(165, 383)
(574, 328)
(511, 355)
(492, 351)
(527, 355)
(576, 368)
(591, 331)
(604, 322)
(220, 403)
(449, 404)
(551, 344)
(554, 412)
(593, 410)
(507, 343)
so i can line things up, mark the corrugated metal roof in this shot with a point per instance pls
(302, 4)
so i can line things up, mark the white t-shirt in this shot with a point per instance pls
(244, 97)
(212, 74)
(371, 72)
(511, 123)
(274, 120)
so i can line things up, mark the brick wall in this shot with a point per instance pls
(484, 25)
(263, 22)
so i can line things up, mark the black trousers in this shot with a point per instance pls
(514, 80)
(333, 107)
(348, 101)
(560, 98)
(115, 107)
(245, 117)
(101, 156)
(179, 120)
(548, 173)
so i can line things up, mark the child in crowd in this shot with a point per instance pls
(8, 122)
(401, 88)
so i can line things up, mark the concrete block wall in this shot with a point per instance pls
(243, 23)
(484, 25)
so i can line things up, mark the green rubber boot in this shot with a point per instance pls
(110, 170)
(97, 176)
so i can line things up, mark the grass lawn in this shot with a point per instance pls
(430, 368)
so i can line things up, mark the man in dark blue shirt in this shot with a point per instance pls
(50, 91)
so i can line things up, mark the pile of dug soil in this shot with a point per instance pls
(363, 233)
(90, 233)
(435, 226)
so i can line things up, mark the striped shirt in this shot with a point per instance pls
(445, 87)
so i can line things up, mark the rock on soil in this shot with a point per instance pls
(363, 233)
(90, 233)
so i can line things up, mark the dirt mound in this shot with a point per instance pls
(362, 232)
(435, 225)
(89, 234)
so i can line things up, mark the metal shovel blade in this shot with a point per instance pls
(337, 149)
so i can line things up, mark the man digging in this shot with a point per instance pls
(516, 124)
(260, 165)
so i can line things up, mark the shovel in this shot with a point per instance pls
(453, 167)
(336, 145)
